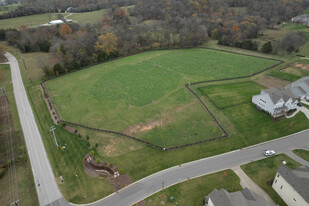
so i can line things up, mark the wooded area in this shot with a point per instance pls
(156, 24)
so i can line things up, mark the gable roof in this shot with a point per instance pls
(277, 94)
(239, 198)
(298, 179)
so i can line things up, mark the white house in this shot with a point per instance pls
(275, 101)
(239, 198)
(303, 85)
(292, 185)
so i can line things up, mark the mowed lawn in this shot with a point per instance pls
(231, 94)
(263, 172)
(193, 192)
(302, 153)
(144, 95)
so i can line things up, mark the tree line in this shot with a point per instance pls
(160, 24)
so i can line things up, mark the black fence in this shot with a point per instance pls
(224, 135)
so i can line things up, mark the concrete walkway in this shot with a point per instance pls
(245, 181)
(305, 111)
(297, 158)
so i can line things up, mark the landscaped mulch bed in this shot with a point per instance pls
(119, 182)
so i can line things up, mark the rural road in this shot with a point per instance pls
(48, 191)
(45, 182)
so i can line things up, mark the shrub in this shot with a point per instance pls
(79, 135)
(92, 153)
(121, 171)
(87, 137)
(98, 161)
(75, 131)
(267, 47)
(111, 164)
(64, 124)
(96, 145)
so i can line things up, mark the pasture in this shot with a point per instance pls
(231, 94)
(28, 21)
(144, 95)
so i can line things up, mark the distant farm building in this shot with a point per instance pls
(301, 19)
(55, 22)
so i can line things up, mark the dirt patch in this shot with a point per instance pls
(117, 180)
(301, 66)
(143, 127)
(269, 82)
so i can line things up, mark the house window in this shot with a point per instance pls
(281, 187)
(276, 181)
(278, 175)
(294, 199)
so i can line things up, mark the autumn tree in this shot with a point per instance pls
(106, 45)
(236, 27)
(2, 49)
(65, 30)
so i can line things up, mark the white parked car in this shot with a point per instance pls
(269, 152)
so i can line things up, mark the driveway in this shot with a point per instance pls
(246, 181)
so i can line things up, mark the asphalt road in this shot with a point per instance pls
(46, 185)
(48, 191)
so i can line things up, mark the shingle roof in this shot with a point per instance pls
(276, 94)
(298, 179)
(239, 198)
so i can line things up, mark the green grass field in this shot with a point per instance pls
(193, 192)
(88, 17)
(233, 94)
(264, 171)
(68, 163)
(25, 183)
(284, 75)
(302, 153)
(28, 21)
(139, 160)
(144, 95)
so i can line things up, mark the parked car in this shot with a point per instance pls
(307, 100)
(299, 104)
(269, 152)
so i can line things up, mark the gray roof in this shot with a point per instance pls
(276, 94)
(298, 179)
(296, 92)
(239, 198)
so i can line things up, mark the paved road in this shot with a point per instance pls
(49, 193)
(43, 175)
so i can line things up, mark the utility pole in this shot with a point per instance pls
(52, 131)
(163, 185)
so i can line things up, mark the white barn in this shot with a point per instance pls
(55, 22)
